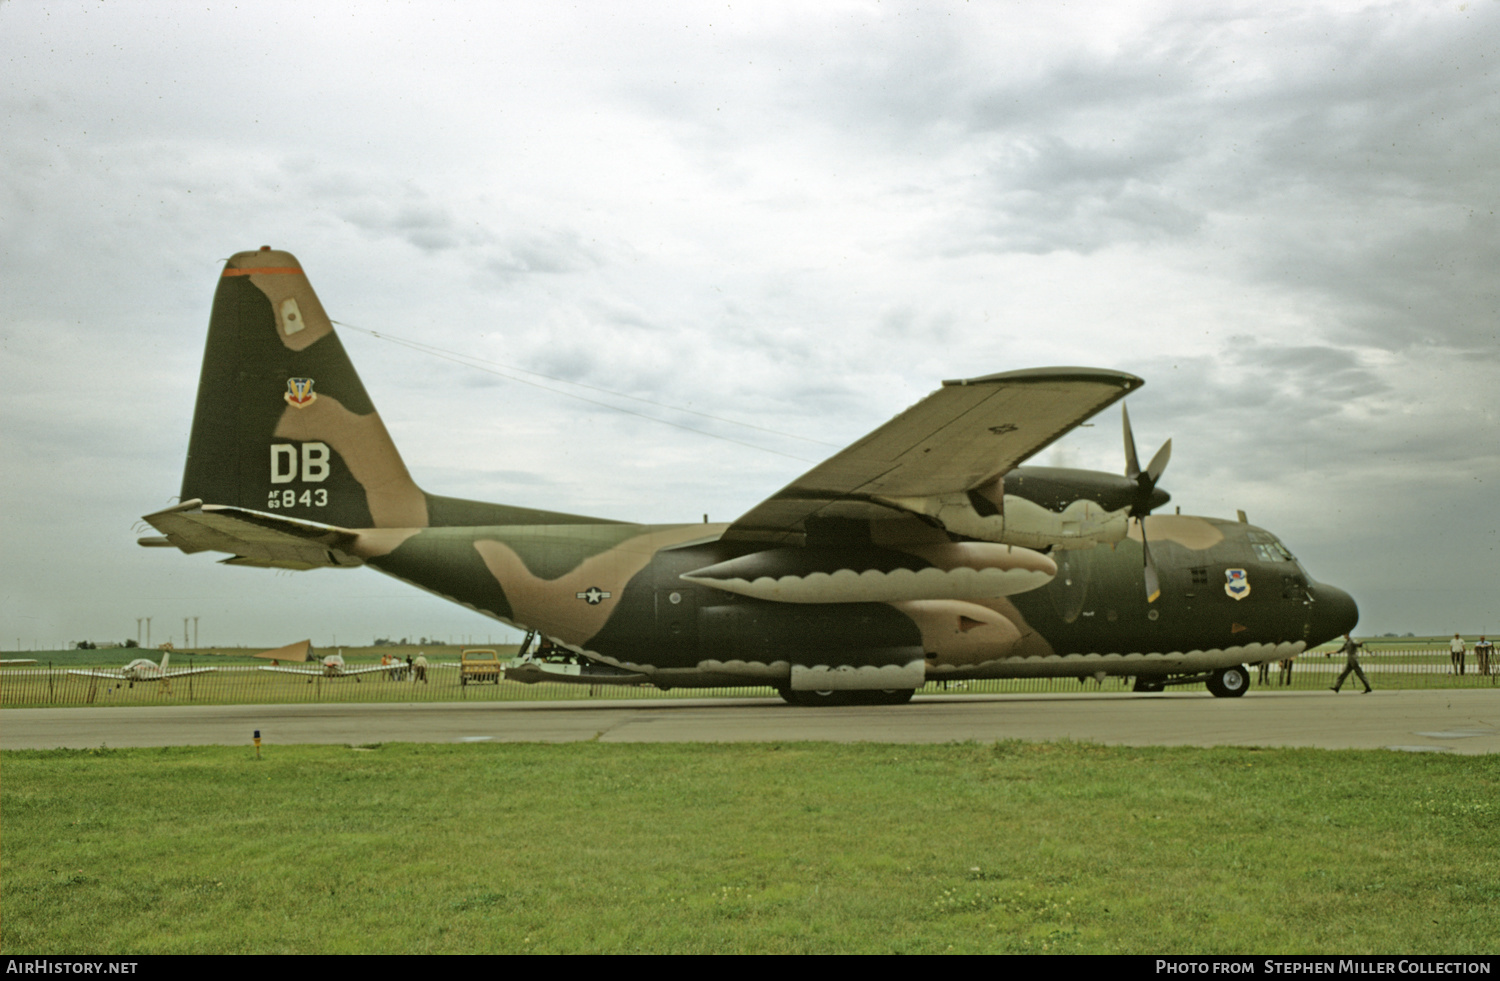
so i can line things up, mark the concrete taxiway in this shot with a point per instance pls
(1466, 722)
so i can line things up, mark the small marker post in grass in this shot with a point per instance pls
(257, 744)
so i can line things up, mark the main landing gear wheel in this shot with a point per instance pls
(1229, 682)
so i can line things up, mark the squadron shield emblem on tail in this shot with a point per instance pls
(299, 393)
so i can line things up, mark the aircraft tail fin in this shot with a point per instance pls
(283, 426)
(282, 421)
(165, 657)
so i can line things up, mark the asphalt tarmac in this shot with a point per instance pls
(1466, 722)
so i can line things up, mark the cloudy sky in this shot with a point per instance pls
(772, 227)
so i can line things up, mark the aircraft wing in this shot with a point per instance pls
(322, 672)
(111, 675)
(960, 437)
(371, 669)
(252, 537)
(184, 672)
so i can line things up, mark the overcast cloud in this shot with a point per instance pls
(1284, 219)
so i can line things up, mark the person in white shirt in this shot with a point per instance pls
(1456, 646)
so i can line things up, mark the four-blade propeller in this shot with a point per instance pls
(1146, 498)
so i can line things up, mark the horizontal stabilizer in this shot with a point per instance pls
(253, 537)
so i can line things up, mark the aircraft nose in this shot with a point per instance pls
(1334, 614)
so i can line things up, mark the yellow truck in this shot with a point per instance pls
(479, 664)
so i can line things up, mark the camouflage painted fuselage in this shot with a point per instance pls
(616, 593)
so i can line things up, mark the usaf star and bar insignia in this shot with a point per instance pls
(1238, 586)
(593, 596)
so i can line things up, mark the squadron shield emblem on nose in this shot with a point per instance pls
(1238, 585)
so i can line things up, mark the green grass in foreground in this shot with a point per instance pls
(748, 847)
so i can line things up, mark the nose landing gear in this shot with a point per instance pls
(1229, 682)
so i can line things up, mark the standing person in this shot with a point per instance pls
(1482, 652)
(1286, 670)
(1456, 652)
(421, 666)
(1350, 650)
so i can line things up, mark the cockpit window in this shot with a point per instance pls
(1267, 548)
(1273, 551)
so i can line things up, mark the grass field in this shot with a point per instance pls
(748, 848)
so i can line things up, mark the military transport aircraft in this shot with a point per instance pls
(142, 669)
(922, 552)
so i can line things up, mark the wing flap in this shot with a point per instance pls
(962, 436)
(253, 537)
